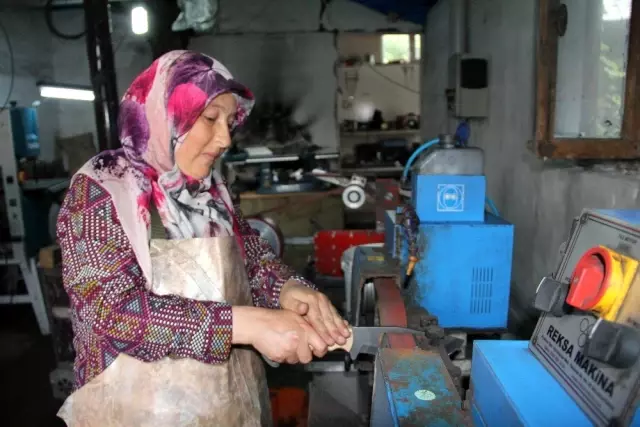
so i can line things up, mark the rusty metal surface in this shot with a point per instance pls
(412, 387)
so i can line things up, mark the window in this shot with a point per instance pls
(400, 48)
(586, 80)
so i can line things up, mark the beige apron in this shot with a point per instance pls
(182, 392)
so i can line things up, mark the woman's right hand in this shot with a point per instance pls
(280, 335)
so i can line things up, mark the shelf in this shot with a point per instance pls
(370, 133)
(280, 158)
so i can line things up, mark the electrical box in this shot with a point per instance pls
(606, 242)
(463, 276)
(468, 86)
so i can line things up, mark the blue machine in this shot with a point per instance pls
(457, 199)
(512, 388)
(462, 255)
(24, 127)
(581, 367)
(412, 387)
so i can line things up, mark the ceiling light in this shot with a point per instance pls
(66, 92)
(139, 20)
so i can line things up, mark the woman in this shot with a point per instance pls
(169, 286)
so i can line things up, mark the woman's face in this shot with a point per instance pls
(208, 138)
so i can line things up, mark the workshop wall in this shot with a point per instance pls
(276, 49)
(394, 89)
(70, 66)
(31, 57)
(540, 199)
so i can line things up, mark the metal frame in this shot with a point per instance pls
(14, 250)
(546, 144)
(103, 73)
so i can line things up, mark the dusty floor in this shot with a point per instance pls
(25, 361)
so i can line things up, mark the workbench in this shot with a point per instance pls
(299, 216)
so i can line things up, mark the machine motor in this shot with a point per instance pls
(458, 256)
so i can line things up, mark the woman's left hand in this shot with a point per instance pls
(316, 308)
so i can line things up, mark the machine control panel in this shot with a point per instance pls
(601, 282)
(588, 336)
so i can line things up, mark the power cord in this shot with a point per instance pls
(48, 17)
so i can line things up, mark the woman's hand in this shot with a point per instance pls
(317, 310)
(281, 335)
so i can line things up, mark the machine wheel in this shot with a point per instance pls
(269, 231)
(369, 307)
(354, 196)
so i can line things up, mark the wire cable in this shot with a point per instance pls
(48, 17)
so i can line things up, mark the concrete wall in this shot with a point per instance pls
(39, 55)
(31, 62)
(274, 48)
(539, 198)
(70, 65)
(394, 89)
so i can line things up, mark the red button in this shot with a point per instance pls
(588, 282)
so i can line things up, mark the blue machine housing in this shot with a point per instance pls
(463, 275)
(449, 198)
(26, 135)
(512, 388)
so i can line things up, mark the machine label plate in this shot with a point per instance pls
(450, 198)
(604, 393)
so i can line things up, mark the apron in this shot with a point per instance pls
(181, 392)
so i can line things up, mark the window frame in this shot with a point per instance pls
(546, 144)
(413, 59)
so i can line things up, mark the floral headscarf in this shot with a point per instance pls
(156, 114)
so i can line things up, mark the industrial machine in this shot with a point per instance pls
(452, 258)
(19, 139)
(444, 270)
(582, 364)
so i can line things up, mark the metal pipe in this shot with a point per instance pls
(108, 73)
(92, 54)
(102, 72)
(458, 26)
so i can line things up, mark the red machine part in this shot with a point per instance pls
(590, 279)
(392, 312)
(329, 245)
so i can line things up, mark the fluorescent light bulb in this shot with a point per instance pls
(139, 20)
(62, 92)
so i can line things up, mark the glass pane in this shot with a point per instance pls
(592, 62)
(417, 40)
(396, 48)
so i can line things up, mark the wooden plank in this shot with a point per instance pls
(50, 257)
(543, 69)
(586, 149)
(631, 116)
